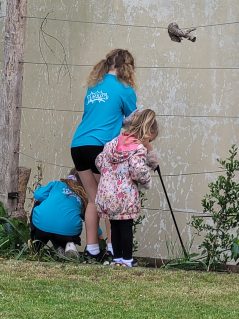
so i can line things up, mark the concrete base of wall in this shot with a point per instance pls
(158, 263)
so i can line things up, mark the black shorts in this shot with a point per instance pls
(84, 157)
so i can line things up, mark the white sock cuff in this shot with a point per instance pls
(110, 248)
(93, 249)
(117, 260)
(109, 245)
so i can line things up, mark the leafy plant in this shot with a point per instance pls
(177, 258)
(14, 234)
(138, 221)
(37, 181)
(2, 210)
(221, 231)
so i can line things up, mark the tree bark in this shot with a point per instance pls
(11, 101)
(23, 178)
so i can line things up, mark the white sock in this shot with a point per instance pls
(127, 262)
(110, 248)
(117, 260)
(93, 249)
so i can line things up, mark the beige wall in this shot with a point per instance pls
(186, 144)
(2, 14)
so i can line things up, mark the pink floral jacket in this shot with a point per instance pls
(123, 166)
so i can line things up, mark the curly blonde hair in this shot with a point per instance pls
(77, 187)
(119, 59)
(143, 125)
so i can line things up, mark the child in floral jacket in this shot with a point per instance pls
(125, 165)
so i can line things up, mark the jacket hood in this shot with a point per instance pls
(122, 148)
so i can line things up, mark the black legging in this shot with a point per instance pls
(122, 238)
(43, 237)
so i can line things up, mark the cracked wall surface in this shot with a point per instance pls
(2, 15)
(196, 105)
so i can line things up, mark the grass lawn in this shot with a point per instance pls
(32, 290)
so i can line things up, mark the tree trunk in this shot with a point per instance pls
(11, 101)
(23, 178)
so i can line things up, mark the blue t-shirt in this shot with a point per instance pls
(59, 211)
(105, 107)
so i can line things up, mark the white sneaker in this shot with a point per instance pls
(71, 250)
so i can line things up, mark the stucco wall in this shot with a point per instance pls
(2, 15)
(195, 107)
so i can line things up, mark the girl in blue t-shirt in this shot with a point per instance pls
(110, 98)
(58, 214)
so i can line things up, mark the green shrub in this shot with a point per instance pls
(221, 230)
(14, 234)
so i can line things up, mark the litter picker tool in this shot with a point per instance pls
(171, 211)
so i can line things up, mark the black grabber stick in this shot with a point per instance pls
(171, 211)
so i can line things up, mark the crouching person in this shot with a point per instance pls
(58, 215)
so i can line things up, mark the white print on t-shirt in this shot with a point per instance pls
(68, 192)
(97, 96)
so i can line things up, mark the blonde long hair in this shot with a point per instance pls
(143, 125)
(121, 60)
(77, 187)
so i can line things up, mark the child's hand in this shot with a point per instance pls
(152, 160)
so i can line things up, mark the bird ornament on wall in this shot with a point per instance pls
(176, 34)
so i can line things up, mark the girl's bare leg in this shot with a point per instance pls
(90, 183)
